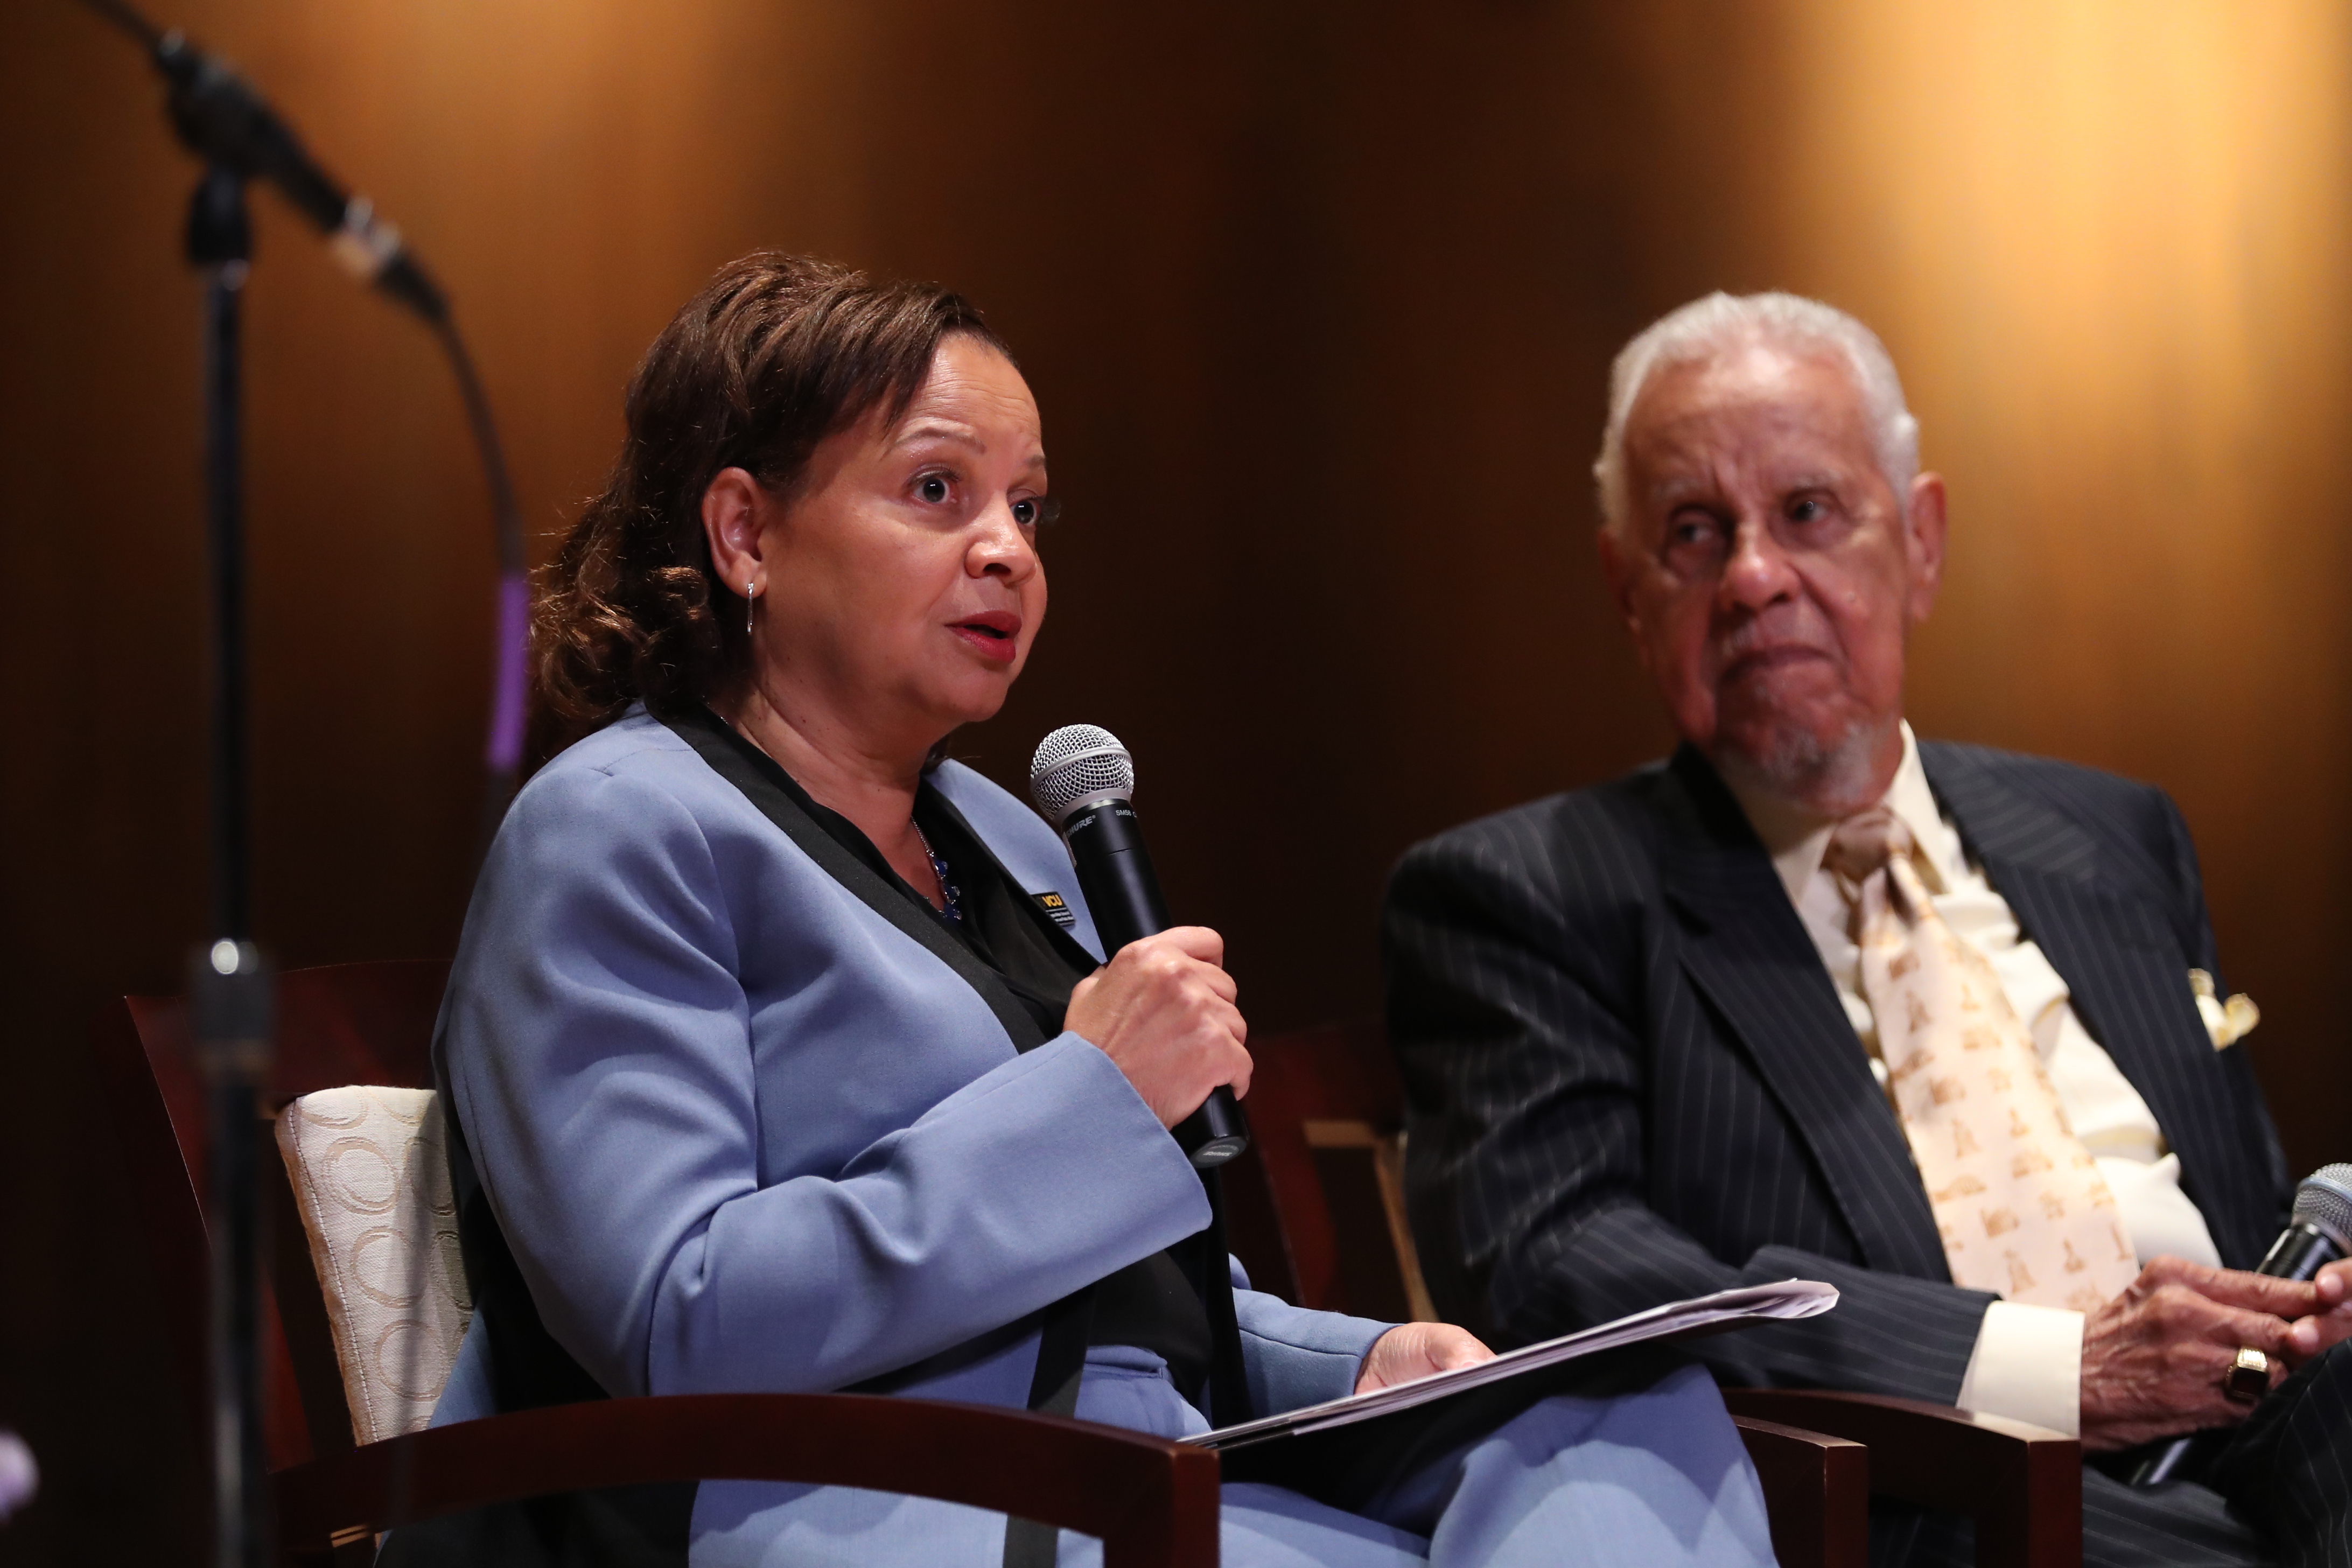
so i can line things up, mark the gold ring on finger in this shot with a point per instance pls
(2248, 1377)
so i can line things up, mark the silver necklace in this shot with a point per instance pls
(950, 900)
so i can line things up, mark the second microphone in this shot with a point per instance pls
(1084, 781)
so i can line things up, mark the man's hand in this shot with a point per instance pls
(2154, 1358)
(2332, 1324)
(1416, 1350)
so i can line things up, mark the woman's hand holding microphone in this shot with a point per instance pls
(1163, 1010)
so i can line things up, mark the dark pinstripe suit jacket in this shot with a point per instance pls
(1630, 1079)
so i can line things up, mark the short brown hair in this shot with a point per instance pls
(775, 354)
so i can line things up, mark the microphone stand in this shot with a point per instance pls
(230, 991)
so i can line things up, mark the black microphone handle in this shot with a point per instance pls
(2301, 1250)
(1122, 892)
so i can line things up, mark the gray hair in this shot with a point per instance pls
(1721, 323)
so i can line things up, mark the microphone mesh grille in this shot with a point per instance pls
(2325, 1200)
(1075, 761)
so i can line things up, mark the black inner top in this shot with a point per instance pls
(1151, 1303)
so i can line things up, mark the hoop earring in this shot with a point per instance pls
(751, 597)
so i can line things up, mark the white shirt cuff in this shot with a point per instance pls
(2028, 1366)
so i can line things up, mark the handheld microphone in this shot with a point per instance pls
(224, 119)
(1084, 781)
(2318, 1232)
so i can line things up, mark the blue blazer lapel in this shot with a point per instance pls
(1748, 955)
(771, 790)
(2102, 924)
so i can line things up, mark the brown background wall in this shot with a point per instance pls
(1317, 300)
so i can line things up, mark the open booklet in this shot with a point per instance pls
(1678, 1320)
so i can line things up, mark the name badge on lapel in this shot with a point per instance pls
(1058, 906)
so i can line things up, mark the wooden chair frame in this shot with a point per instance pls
(2021, 1484)
(1816, 1491)
(1154, 1504)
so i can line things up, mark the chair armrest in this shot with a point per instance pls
(2024, 1484)
(1152, 1503)
(1816, 1493)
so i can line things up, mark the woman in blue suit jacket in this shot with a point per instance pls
(771, 1068)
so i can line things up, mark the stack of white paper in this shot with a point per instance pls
(1678, 1320)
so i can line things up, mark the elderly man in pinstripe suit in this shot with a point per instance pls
(1936, 1024)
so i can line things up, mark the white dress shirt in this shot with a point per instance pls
(2028, 1363)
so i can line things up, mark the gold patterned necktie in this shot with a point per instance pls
(2023, 1210)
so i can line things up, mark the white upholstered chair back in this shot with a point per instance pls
(371, 1176)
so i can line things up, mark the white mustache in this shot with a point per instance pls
(1795, 626)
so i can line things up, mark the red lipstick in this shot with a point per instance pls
(992, 633)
